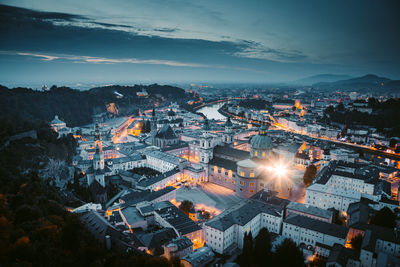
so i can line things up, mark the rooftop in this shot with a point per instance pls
(241, 214)
(317, 226)
(310, 210)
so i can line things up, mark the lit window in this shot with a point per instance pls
(252, 174)
(255, 153)
(242, 173)
(263, 154)
(241, 182)
(251, 184)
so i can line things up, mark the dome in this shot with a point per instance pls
(261, 141)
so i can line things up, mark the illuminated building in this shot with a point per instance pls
(225, 232)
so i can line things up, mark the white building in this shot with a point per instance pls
(163, 162)
(340, 183)
(226, 231)
(308, 231)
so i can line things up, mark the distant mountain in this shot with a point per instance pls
(369, 81)
(321, 78)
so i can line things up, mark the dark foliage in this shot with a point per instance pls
(309, 174)
(145, 171)
(262, 249)
(356, 242)
(36, 230)
(186, 206)
(385, 116)
(254, 103)
(259, 253)
(76, 107)
(288, 254)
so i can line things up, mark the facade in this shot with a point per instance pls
(163, 162)
(341, 183)
(226, 231)
(307, 231)
(245, 173)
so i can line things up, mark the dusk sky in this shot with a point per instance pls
(47, 41)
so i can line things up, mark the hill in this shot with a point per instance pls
(76, 107)
(369, 81)
(320, 78)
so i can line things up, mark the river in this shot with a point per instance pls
(211, 112)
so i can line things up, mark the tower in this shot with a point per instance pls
(98, 143)
(206, 144)
(228, 134)
(153, 124)
(98, 157)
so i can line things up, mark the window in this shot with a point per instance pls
(241, 183)
(251, 184)
(263, 154)
(252, 174)
(242, 173)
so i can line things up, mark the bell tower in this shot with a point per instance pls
(228, 134)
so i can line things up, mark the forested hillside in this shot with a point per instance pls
(77, 107)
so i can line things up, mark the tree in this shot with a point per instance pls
(309, 174)
(246, 257)
(186, 206)
(262, 249)
(340, 107)
(356, 242)
(289, 254)
(385, 218)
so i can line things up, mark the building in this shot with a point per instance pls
(165, 137)
(245, 173)
(226, 231)
(199, 258)
(179, 247)
(308, 232)
(167, 215)
(163, 162)
(56, 124)
(341, 183)
(309, 211)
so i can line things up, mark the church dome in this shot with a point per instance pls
(261, 141)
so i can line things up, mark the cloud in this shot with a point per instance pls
(80, 59)
(43, 57)
(102, 60)
(251, 49)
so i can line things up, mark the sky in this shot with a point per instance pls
(173, 41)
